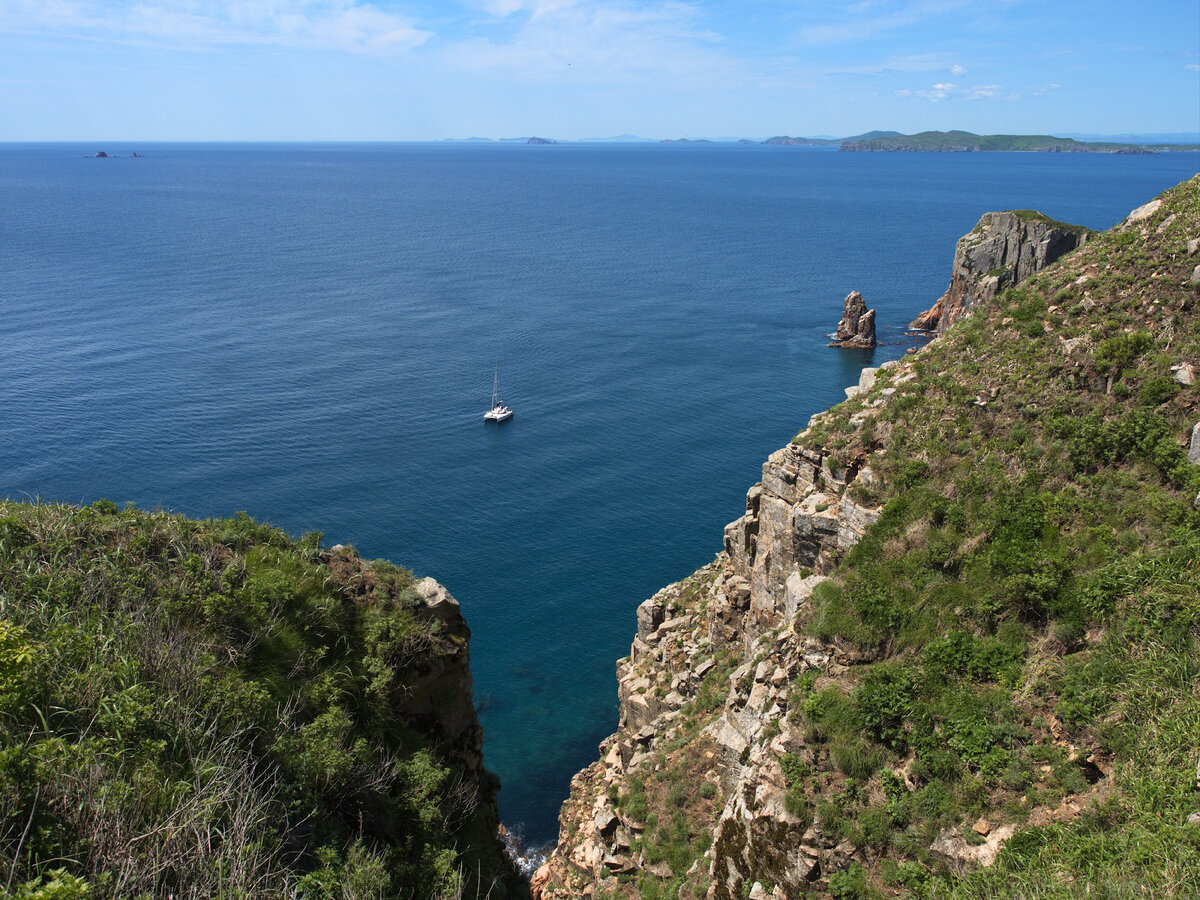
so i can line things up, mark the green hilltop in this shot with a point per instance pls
(966, 142)
(212, 709)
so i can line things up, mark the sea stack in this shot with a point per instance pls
(857, 328)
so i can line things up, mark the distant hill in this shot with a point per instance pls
(785, 141)
(967, 142)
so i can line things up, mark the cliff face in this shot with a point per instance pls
(712, 667)
(881, 679)
(1003, 249)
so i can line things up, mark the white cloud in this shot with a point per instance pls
(945, 90)
(1192, 67)
(958, 71)
(342, 24)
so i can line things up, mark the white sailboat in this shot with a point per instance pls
(499, 412)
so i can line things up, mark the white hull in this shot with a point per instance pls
(499, 412)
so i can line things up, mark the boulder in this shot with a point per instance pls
(1143, 212)
(1194, 452)
(857, 327)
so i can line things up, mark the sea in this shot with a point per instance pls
(310, 333)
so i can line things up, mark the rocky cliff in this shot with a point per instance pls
(930, 628)
(1004, 248)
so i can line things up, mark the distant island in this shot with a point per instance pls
(967, 142)
(924, 142)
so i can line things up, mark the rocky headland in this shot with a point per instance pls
(923, 663)
(1003, 248)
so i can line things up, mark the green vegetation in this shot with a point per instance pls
(1032, 215)
(1032, 589)
(965, 141)
(202, 709)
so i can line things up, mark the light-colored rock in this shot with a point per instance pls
(1070, 345)
(438, 600)
(961, 858)
(866, 379)
(1185, 374)
(1195, 275)
(1194, 447)
(1193, 246)
(730, 738)
(649, 616)
(1143, 212)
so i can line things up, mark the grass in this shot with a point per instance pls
(212, 708)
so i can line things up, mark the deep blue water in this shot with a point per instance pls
(308, 333)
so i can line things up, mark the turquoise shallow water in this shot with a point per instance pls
(308, 333)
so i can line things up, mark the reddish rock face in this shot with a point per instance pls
(857, 328)
(1002, 250)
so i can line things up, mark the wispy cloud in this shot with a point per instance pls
(342, 24)
(614, 40)
(946, 90)
(854, 22)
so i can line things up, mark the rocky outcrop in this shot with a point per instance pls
(726, 633)
(857, 327)
(438, 697)
(1004, 248)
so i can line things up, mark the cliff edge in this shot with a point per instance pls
(1003, 249)
(949, 647)
(200, 709)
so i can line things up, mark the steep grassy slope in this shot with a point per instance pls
(1034, 581)
(201, 709)
(995, 692)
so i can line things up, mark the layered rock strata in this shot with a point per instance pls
(1004, 248)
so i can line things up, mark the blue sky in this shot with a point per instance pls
(570, 69)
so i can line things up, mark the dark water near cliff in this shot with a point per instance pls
(308, 333)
